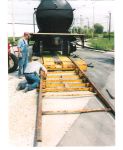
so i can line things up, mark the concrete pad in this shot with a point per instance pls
(91, 129)
(65, 104)
(54, 127)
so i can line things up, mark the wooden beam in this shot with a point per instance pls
(39, 116)
(66, 89)
(63, 76)
(61, 112)
(70, 85)
(64, 80)
(67, 94)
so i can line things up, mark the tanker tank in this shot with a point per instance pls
(54, 16)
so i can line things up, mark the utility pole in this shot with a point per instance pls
(88, 22)
(87, 25)
(109, 25)
(93, 20)
(34, 19)
(13, 20)
(81, 20)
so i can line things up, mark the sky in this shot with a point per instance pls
(86, 12)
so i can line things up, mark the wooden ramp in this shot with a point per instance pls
(63, 95)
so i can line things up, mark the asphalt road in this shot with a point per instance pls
(102, 72)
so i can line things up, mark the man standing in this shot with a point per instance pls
(23, 53)
(32, 74)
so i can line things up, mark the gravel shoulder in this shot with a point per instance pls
(22, 114)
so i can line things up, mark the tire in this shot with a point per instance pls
(66, 48)
(72, 48)
(36, 49)
(13, 66)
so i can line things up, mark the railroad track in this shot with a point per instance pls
(67, 90)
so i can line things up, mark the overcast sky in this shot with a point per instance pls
(23, 13)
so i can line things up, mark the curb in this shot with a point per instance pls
(99, 50)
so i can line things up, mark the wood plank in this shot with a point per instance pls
(61, 72)
(64, 89)
(68, 94)
(63, 80)
(63, 76)
(60, 69)
(49, 85)
(39, 117)
(61, 112)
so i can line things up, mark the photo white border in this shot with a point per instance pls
(4, 81)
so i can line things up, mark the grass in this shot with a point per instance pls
(12, 42)
(16, 41)
(102, 43)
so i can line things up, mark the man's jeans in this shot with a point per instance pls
(22, 63)
(33, 80)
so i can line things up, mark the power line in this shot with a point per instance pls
(22, 23)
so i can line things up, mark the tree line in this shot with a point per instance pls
(96, 30)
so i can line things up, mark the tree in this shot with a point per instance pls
(79, 30)
(74, 29)
(85, 30)
(98, 28)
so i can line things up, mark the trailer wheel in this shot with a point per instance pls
(66, 48)
(12, 63)
(72, 48)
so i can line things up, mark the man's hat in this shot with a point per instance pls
(26, 33)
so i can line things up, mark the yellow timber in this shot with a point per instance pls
(62, 75)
